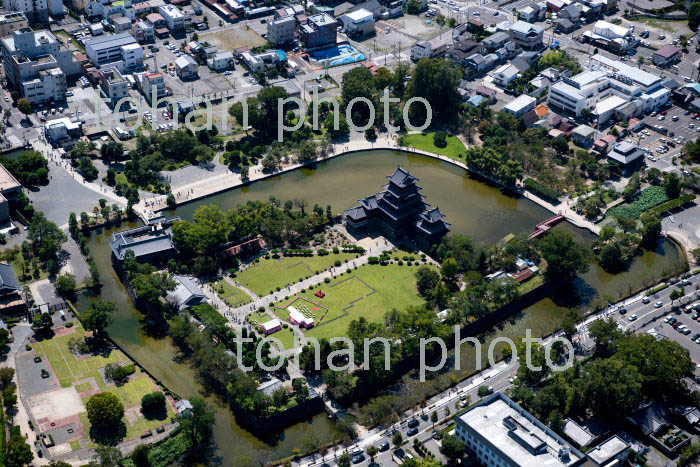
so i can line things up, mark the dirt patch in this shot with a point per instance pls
(234, 38)
(63, 331)
(56, 405)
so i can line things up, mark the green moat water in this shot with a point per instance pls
(472, 207)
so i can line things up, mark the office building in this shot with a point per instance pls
(501, 433)
(113, 84)
(174, 18)
(358, 23)
(12, 21)
(320, 30)
(36, 11)
(121, 51)
(281, 31)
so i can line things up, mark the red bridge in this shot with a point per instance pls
(544, 226)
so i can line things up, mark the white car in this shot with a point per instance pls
(632, 317)
(658, 305)
(646, 300)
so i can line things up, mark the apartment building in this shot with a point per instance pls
(281, 31)
(143, 31)
(118, 50)
(12, 21)
(358, 23)
(114, 85)
(150, 83)
(501, 433)
(36, 11)
(103, 9)
(174, 18)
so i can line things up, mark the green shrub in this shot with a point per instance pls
(541, 190)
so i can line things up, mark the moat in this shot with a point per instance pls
(472, 207)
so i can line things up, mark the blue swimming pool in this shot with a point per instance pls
(341, 54)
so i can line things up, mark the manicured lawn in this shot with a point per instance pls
(233, 296)
(72, 371)
(286, 337)
(268, 274)
(370, 292)
(455, 148)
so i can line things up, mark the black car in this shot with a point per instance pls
(358, 458)
(413, 423)
(412, 432)
(384, 446)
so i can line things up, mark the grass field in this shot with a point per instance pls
(72, 371)
(370, 292)
(454, 149)
(264, 277)
(233, 296)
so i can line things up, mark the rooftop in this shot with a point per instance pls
(108, 42)
(519, 103)
(667, 51)
(607, 450)
(7, 180)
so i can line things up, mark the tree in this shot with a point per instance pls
(397, 439)
(610, 257)
(65, 285)
(262, 111)
(198, 427)
(98, 316)
(344, 460)
(105, 411)
(452, 448)
(112, 151)
(565, 256)
(46, 237)
(426, 280)
(611, 387)
(434, 418)
(437, 81)
(694, 16)
(651, 231)
(672, 185)
(372, 451)
(440, 139)
(19, 453)
(140, 456)
(24, 106)
(153, 403)
(606, 336)
(42, 323)
(449, 270)
(107, 456)
(6, 376)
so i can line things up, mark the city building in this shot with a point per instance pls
(526, 35)
(435, 47)
(583, 135)
(666, 55)
(265, 61)
(113, 84)
(221, 61)
(186, 67)
(121, 51)
(152, 83)
(319, 31)
(143, 31)
(63, 131)
(505, 74)
(103, 9)
(120, 23)
(36, 11)
(186, 294)
(625, 153)
(281, 31)
(520, 105)
(152, 242)
(156, 20)
(613, 451)
(12, 21)
(500, 432)
(174, 18)
(9, 190)
(358, 23)
(399, 212)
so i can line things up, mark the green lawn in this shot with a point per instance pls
(70, 370)
(233, 296)
(370, 291)
(455, 148)
(268, 274)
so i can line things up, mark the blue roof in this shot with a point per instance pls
(475, 100)
(281, 54)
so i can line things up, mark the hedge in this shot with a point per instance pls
(541, 190)
(670, 205)
(297, 252)
(657, 289)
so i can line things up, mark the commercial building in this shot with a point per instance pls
(62, 131)
(36, 11)
(103, 9)
(175, 19)
(666, 55)
(281, 31)
(520, 105)
(113, 84)
(221, 61)
(152, 83)
(118, 50)
(613, 451)
(435, 47)
(501, 433)
(320, 30)
(186, 67)
(120, 23)
(12, 21)
(358, 23)
(526, 35)
(399, 212)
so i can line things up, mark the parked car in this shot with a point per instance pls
(658, 304)
(412, 432)
(632, 317)
(384, 446)
(413, 423)
(646, 300)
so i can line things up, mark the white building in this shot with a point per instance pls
(613, 451)
(186, 67)
(520, 105)
(625, 152)
(505, 74)
(611, 31)
(264, 61)
(151, 83)
(61, 129)
(118, 50)
(36, 65)
(501, 433)
(358, 23)
(221, 61)
(526, 35)
(281, 31)
(174, 18)
(433, 48)
(113, 84)
(37, 11)
(105, 8)
(11, 22)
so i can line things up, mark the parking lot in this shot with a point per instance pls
(681, 126)
(682, 326)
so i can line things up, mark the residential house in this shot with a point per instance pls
(505, 74)
(583, 136)
(571, 12)
(564, 25)
(495, 41)
(186, 67)
(666, 55)
(435, 47)
(221, 61)
(184, 408)
(526, 35)
(520, 105)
